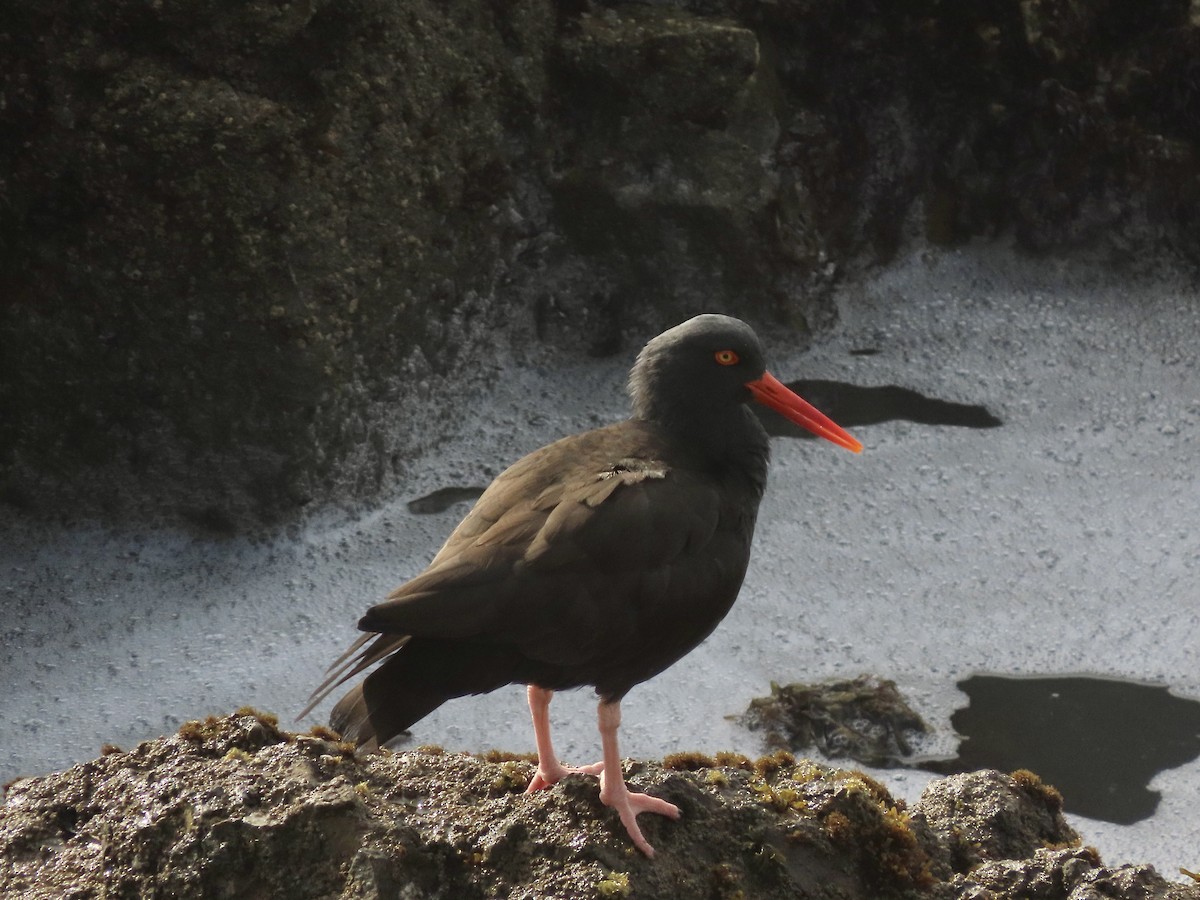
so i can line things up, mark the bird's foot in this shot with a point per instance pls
(550, 775)
(629, 804)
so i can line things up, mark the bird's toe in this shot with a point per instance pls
(630, 805)
(548, 776)
(645, 803)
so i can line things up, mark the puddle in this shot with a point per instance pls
(851, 405)
(1098, 740)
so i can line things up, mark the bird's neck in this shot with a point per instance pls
(731, 443)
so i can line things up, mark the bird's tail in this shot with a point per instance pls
(414, 681)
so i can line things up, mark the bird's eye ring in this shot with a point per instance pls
(726, 357)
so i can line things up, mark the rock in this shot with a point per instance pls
(988, 815)
(865, 718)
(252, 256)
(234, 807)
(665, 180)
(1063, 875)
(241, 238)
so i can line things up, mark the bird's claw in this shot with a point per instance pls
(630, 805)
(548, 776)
(627, 803)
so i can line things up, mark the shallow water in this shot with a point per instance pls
(1062, 542)
(1100, 741)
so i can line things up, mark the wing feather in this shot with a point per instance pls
(571, 551)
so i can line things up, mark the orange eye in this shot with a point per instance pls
(726, 357)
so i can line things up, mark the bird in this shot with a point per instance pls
(598, 560)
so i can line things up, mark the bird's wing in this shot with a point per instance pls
(573, 556)
(635, 513)
(557, 559)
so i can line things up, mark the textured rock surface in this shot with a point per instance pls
(249, 257)
(237, 241)
(233, 807)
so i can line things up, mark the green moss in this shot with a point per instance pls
(688, 761)
(502, 756)
(614, 884)
(513, 776)
(733, 760)
(716, 778)
(859, 818)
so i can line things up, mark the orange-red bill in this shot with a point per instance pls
(770, 391)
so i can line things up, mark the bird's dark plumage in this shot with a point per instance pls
(598, 560)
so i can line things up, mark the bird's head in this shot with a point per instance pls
(712, 364)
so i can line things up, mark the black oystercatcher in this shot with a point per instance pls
(598, 560)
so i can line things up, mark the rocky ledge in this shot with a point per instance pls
(235, 807)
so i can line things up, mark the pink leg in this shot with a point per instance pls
(613, 790)
(549, 770)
